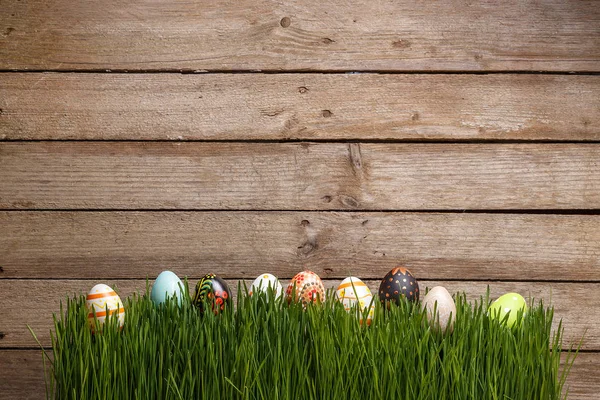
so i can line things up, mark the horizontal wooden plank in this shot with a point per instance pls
(22, 375)
(554, 35)
(298, 176)
(334, 244)
(298, 106)
(20, 305)
(584, 379)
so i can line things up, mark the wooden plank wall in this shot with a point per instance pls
(459, 139)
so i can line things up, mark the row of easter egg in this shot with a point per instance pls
(352, 292)
(103, 301)
(441, 310)
(305, 287)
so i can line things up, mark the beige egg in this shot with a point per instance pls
(445, 308)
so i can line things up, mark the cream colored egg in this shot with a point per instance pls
(352, 292)
(364, 303)
(440, 300)
(99, 300)
(263, 282)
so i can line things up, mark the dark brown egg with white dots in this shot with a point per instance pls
(398, 283)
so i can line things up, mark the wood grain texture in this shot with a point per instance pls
(333, 244)
(298, 176)
(554, 35)
(22, 375)
(575, 303)
(298, 106)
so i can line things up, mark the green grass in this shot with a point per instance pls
(265, 349)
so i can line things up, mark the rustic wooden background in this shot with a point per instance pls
(237, 137)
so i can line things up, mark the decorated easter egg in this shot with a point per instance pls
(214, 291)
(167, 284)
(354, 293)
(441, 301)
(102, 301)
(398, 283)
(509, 303)
(350, 291)
(265, 281)
(307, 287)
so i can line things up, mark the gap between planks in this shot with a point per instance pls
(295, 72)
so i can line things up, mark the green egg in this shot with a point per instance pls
(510, 304)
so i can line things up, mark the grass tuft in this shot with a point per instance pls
(266, 349)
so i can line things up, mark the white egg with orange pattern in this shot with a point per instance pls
(103, 301)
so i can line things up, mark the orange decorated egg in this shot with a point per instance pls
(354, 293)
(307, 287)
(103, 301)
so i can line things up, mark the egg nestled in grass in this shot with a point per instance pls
(398, 283)
(441, 310)
(510, 304)
(102, 302)
(307, 287)
(166, 285)
(213, 291)
(355, 294)
(265, 281)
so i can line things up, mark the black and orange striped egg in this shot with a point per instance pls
(212, 290)
(398, 283)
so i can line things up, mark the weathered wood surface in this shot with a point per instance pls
(298, 106)
(22, 375)
(298, 176)
(334, 244)
(554, 35)
(20, 305)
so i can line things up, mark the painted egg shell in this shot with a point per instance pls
(441, 301)
(509, 303)
(263, 282)
(167, 284)
(353, 291)
(350, 291)
(213, 290)
(100, 299)
(364, 303)
(399, 282)
(307, 286)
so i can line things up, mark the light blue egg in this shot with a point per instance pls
(166, 285)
